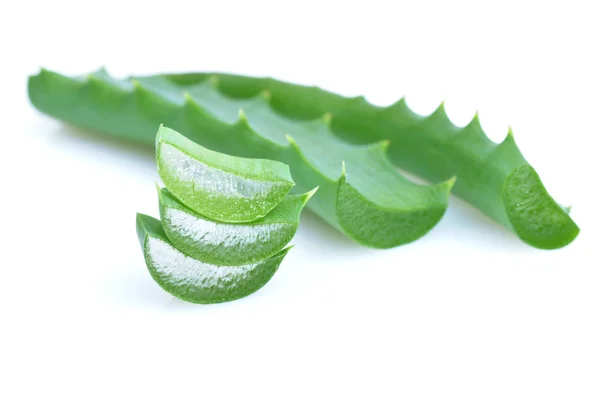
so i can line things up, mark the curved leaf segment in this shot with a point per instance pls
(367, 200)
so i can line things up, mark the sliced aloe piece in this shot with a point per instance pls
(218, 186)
(197, 281)
(226, 243)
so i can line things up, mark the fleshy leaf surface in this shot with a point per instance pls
(360, 191)
(197, 281)
(496, 178)
(227, 243)
(219, 186)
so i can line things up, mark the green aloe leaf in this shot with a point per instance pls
(197, 281)
(496, 178)
(230, 244)
(360, 191)
(218, 186)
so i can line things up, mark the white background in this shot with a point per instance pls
(467, 311)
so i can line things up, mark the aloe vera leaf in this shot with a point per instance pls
(218, 186)
(199, 281)
(230, 244)
(360, 192)
(496, 178)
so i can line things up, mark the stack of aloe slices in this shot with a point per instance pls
(225, 221)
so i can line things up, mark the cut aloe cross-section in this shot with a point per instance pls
(194, 280)
(218, 186)
(227, 243)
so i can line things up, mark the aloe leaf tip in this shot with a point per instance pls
(534, 215)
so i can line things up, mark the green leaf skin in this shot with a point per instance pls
(496, 178)
(197, 281)
(230, 244)
(360, 191)
(221, 187)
